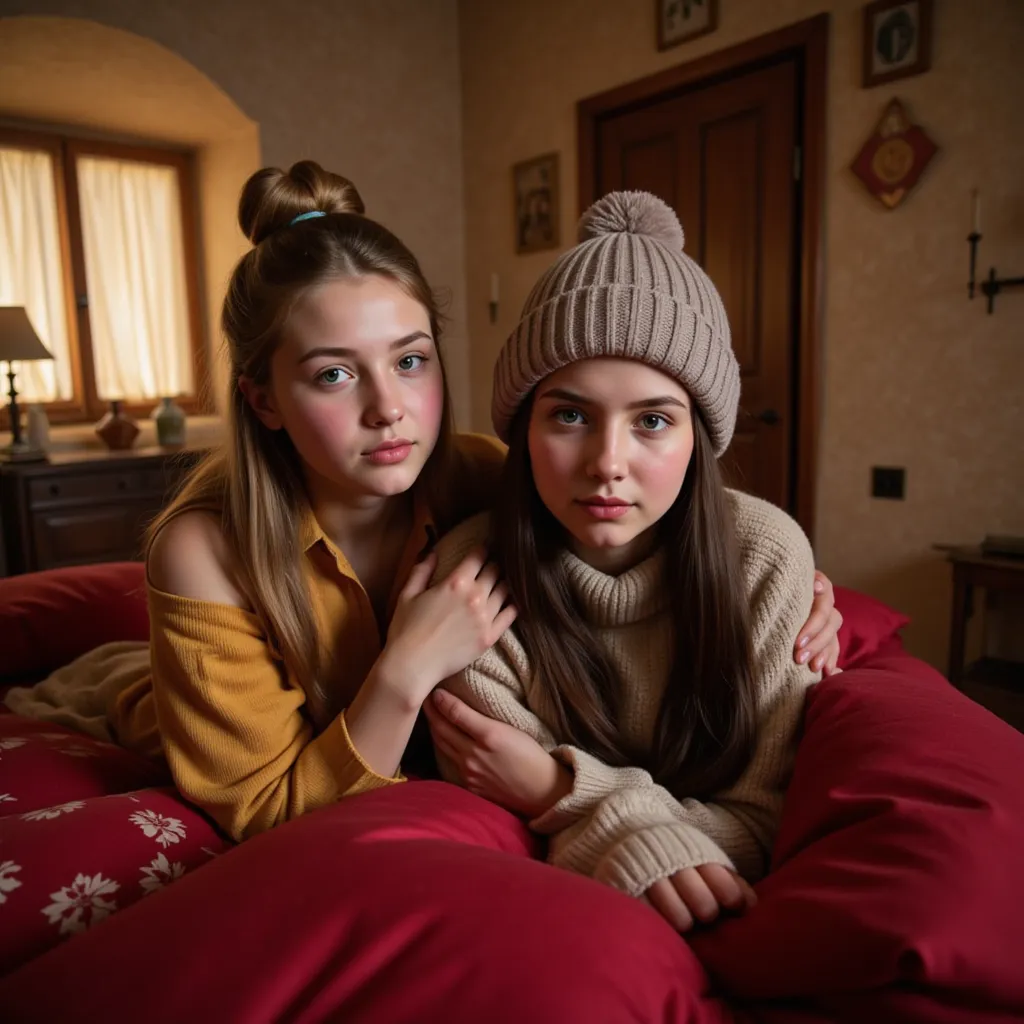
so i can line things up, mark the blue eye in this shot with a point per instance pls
(332, 375)
(567, 417)
(653, 422)
(411, 362)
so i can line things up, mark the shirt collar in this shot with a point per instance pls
(421, 539)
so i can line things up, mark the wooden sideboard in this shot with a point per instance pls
(82, 507)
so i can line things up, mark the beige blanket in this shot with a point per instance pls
(80, 694)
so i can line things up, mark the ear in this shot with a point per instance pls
(261, 401)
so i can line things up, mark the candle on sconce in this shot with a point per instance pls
(976, 212)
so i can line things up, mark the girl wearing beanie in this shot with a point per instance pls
(643, 709)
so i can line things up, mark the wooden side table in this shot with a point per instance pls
(972, 568)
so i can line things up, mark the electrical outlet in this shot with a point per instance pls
(888, 482)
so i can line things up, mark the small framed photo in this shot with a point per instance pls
(535, 191)
(897, 40)
(681, 20)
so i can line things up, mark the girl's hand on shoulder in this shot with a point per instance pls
(496, 760)
(817, 643)
(698, 895)
(437, 631)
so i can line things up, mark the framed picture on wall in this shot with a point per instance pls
(536, 203)
(680, 20)
(897, 40)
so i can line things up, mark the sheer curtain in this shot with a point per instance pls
(31, 273)
(135, 269)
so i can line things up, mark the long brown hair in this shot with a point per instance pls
(255, 481)
(706, 724)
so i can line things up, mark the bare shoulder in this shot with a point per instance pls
(190, 557)
(453, 547)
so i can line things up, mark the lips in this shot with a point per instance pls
(389, 452)
(605, 508)
(597, 499)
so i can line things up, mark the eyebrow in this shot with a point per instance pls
(345, 353)
(644, 403)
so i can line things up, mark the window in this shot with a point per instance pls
(97, 242)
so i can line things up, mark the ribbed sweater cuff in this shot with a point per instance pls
(650, 854)
(592, 782)
(370, 779)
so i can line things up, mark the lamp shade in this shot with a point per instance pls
(18, 339)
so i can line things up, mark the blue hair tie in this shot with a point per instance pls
(306, 216)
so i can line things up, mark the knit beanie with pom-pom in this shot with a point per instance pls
(626, 290)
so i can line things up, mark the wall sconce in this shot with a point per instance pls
(992, 285)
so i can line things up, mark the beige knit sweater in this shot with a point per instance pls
(617, 825)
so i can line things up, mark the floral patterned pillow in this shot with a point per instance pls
(42, 764)
(65, 868)
(83, 834)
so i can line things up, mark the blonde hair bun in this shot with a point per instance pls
(273, 198)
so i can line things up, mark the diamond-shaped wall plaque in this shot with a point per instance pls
(893, 159)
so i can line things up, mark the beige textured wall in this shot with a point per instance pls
(916, 376)
(369, 88)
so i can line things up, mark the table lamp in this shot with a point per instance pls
(18, 342)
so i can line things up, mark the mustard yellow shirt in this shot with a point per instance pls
(218, 703)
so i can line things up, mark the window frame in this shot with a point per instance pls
(85, 405)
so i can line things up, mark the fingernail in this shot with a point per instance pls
(816, 664)
(804, 640)
(804, 657)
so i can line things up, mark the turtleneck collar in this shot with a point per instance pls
(621, 600)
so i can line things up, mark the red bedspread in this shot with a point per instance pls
(896, 892)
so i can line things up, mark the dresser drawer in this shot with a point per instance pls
(76, 509)
(97, 533)
(69, 488)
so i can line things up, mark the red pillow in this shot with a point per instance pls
(48, 619)
(42, 764)
(868, 626)
(65, 868)
(411, 903)
(897, 889)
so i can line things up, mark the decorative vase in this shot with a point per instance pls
(170, 424)
(38, 428)
(117, 430)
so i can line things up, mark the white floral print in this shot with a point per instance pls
(159, 873)
(12, 742)
(6, 798)
(46, 813)
(81, 905)
(165, 830)
(7, 882)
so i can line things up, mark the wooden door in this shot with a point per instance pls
(724, 156)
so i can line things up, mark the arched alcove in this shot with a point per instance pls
(91, 78)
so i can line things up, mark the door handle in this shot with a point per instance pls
(769, 417)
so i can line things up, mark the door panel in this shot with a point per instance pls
(722, 155)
